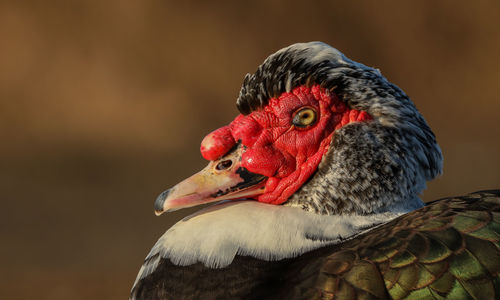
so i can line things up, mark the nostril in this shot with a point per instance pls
(224, 165)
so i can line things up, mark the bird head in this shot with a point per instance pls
(318, 131)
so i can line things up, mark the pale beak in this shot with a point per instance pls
(222, 179)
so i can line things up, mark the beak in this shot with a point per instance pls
(222, 179)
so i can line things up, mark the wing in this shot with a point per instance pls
(447, 250)
(245, 278)
(196, 281)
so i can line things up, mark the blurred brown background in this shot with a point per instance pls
(103, 105)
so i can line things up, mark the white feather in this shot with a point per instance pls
(215, 235)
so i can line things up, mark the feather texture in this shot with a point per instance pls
(448, 249)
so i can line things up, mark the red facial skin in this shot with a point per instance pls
(286, 154)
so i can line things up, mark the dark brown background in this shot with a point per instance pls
(103, 105)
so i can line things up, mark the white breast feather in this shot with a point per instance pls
(215, 235)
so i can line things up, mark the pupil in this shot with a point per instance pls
(304, 117)
(223, 165)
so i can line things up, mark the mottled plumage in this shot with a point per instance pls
(449, 248)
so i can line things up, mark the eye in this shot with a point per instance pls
(304, 117)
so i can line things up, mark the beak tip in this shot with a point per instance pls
(160, 201)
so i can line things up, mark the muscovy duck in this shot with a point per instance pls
(317, 184)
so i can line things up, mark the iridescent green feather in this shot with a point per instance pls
(447, 250)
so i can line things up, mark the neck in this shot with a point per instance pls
(351, 179)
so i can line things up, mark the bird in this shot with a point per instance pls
(314, 194)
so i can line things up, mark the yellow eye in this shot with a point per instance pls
(304, 117)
